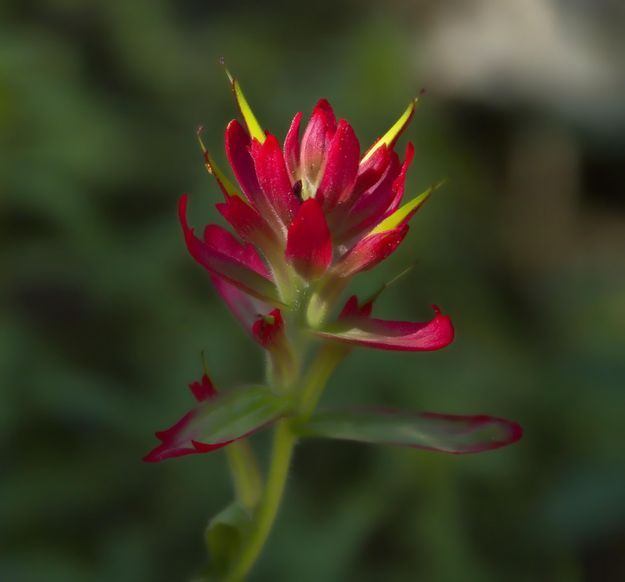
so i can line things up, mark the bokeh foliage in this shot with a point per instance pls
(104, 314)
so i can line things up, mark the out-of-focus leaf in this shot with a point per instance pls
(224, 535)
(425, 430)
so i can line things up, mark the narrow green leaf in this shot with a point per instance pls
(426, 430)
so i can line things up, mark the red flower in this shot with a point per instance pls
(309, 217)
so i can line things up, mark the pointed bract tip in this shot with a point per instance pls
(254, 129)
(392, 135)
(353, 308)
(401, 274)
(151, 457)
(323, 104)
(203, 359)
(375, 296)
(198, 135)
(204, 389)
(222, 62)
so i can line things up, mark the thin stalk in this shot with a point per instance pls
(320, 371)
(245, 473)
(284, 374)
(283, 444)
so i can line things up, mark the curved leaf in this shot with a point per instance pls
(445, 433)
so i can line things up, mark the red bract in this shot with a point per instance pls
(178, 440)
(268, 329)
(309, 242)
(355, 326)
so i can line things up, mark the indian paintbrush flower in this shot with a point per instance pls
(308, 217)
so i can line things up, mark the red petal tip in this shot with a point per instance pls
(353, 309)
(204, 389)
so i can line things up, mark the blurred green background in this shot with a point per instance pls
(104, 314)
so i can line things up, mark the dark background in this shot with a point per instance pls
(104, 314)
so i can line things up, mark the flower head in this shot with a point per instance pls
(307, 217)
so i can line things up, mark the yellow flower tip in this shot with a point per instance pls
(222, 62)
(253, 127)
(268, 319)
(198, 133)
(391, 136)
(213, 169)
(440, 184)
(404, 213)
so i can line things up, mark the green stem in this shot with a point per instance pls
(284, 374)
(283, 444)
(320, 371)
(245, 473)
